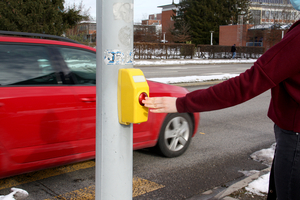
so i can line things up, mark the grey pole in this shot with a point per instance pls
(113, 140)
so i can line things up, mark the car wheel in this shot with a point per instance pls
(175, 135)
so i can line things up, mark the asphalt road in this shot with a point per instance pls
(221, 148)
(192, 70)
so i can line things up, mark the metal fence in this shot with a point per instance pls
(224, 52)
(189, 51)
(163, 51)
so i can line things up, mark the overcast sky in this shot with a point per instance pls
(142, 8)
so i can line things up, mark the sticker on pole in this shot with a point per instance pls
(123, 11)
(116, 57)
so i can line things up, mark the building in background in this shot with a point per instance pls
(154, 19)
(272, 11)
(271, 20)
(167, 21)
(84, 32)
(89, 28)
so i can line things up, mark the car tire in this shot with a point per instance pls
(175, 135)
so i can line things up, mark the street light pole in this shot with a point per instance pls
(211, 37)
(113, 141)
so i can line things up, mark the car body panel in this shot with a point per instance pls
(35, 116)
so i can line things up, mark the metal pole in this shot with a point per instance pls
(113, 140)
(211, 37)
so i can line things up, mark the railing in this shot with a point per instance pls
(223, 52)
(189, 51)
(163, 51)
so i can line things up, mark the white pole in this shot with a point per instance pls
(211, 37)
(113, 140)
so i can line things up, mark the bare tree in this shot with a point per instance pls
(181, 34)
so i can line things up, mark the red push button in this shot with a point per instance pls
(142, 97)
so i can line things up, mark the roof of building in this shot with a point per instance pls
(270, 26)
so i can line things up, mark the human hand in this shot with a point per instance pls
(161, 104)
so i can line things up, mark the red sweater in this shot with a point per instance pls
(278, 69)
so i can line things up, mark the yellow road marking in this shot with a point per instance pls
(139, 187)
(84, 194)
(39, 175)
(142, 186)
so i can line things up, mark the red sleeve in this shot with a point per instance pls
(277, 64)
(228, 93)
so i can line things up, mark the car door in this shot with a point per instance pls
(38, 114)
(81, 65)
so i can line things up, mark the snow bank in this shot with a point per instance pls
(260, 186)
(16, 194)
(192, 79)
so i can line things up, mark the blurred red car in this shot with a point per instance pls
(45, 120)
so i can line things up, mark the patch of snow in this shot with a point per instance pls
(16, 194)
(249, 173)
(190, 61)
(264, 156)
(192, 79)
(259, 186)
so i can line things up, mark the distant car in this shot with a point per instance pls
(48, 102)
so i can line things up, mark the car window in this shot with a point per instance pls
(25, 65)
(81, 63)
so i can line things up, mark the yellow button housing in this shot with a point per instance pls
(131, 84)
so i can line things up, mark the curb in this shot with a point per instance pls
(241, 184)
(219, 193)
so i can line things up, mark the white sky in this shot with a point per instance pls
(142, 8)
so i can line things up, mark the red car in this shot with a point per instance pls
(44, 119)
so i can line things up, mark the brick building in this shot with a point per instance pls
(166, 18)
(271, 19)
(234, 34)
(154, 19)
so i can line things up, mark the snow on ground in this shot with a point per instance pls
(265, 156)
(16, 194)
(260, 186)
(191, 79)
(160, 62)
